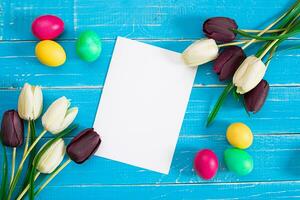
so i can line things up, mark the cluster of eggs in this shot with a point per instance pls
(236, 159)
(50, 53)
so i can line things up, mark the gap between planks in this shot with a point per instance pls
(183, 184)
(139, 39)
(93, 87)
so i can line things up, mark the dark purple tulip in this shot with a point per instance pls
(256, 98)
(83, 145)
(228, 62)
(218, 28)
(12, 129)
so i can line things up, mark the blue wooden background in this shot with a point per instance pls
(172, 24)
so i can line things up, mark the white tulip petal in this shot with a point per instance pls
(52, 157)
(55, 114)
(38, 102)
(200, 52)
(249, 74)
(26, 102)
(69, 118)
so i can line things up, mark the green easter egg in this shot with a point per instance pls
(238, 161)
(88, 46)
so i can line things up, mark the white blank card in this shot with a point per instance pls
(142, 105)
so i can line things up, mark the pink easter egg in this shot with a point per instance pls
(47, 27)
(206, 164)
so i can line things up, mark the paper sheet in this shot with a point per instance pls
(142, 105)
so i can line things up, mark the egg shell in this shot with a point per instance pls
(50, 53)
(88, 46)
(206, 164)
(239, 135)
(47, 27)
(238, 161)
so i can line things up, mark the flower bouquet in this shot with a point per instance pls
(244, 73)
(56, 120)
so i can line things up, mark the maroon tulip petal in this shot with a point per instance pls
(12, 129)
(219, 29)
(228, 62)
(255, 99)
(83, 145)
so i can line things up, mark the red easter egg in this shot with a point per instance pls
(47, 27)
(206, 164)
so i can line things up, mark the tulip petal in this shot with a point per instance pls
(38, 102)
(52, 157)
(25, 102)
(200, 52)
(69, 118)
(83, 145)
(249, 74)
(55, 114)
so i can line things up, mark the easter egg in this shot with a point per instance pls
(239, 135)
(206, 164)
(47, 27)
(88, 46)
(238, 161)
(50, 53)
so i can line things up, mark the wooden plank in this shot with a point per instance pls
(256, 190)
(279, 114)
(19, 65)
(276, 158)
(170, 19)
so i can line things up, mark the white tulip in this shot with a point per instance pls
(30, 104)
(200, 52)
(249, 74)
(52, 157)
(58, 116)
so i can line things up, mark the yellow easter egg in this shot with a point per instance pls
(239, 135)
(50, 53)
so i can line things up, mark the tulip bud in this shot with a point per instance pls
(58, 116)
(228, 61)
(256, 98)
(30, 102)
(12, 129)
(83, 145)
(219, 29)
(200, 52)
(52, 157)
(249, 74)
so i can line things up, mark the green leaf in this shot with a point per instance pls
(4, 174)
(219, 103)
(292, 12)
(267, 38)
(41, 152)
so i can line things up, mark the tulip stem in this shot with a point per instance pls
(273, 24)
(258, 31)
(27, 187)
(27, 139)
(275, 41)
(235, 43)
(13, 164)
(16, 178)
(52, 176)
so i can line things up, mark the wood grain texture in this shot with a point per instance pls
(171, 24)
